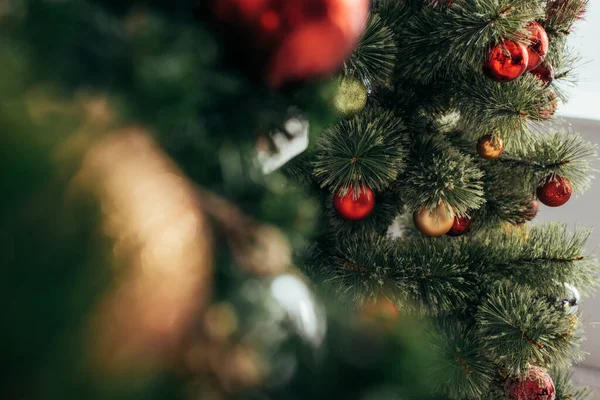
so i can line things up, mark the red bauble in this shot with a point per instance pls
(531, 211)
(538, 49)
(354, 206)
(298, 39)
(537, 386)
(461, 226)
(555, 192)
(544, 73)
(507, 61)
(549, 108)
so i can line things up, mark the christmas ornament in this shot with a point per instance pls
(460, 226)
(507, 61)
(571, 301)
(288, 142)
(490, 147)
(382, 308)
(351, 96)
(545, 73)
(550, 109)
(537, 385)
(434, 223)
(354, 205)
(538, 47)
(555, 192)
(297, 39)
(530, 213)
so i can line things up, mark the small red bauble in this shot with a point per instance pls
(354, 206)
(460, 227)
(555, 192)
(550, 108)
(298, 39)
(538, 49)
(544, 73)
(507, 61)
(537, 385)
(531, 211)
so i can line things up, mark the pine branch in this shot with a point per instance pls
(520, 329)
(465, 373)
(541, 257)
(565, 390)
(506, 109)
(561, 153)
(365, 149)
(562, 14)
(373, 59)
(439, 172)
(440, 42)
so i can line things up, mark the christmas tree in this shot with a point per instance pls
(154, 203)
(444, 152)
(145, 253)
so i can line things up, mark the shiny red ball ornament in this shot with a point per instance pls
(537, 385)
(297, 39)
(460, 226)
(544, 74)
(507, 61)
(352, 205)
(555, 192)
(538, 48)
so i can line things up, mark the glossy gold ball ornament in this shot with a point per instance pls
(490, 147)
(436, 222)
(351, 97)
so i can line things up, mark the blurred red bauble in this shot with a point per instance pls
(354, 206)
(507, 61)
(538, 49)
(298, 39)
(531, 211)
(555, 192)
(544, 73)
(550, 109)
(460, 226)
(537, 385)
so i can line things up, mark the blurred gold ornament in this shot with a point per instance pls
(351, 97)
(221, 321)
(436, 222)
(241, 369)
(490, 147)
(381, 308)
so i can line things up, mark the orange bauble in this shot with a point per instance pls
(436, 222)
(507, 61)
(354, 205)
(381, 308)
(298, 39)
(490, 147)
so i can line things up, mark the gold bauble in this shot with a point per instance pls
(436, 222)
(490, 147)
(351, 96)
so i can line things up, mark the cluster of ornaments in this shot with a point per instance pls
(440, 221)
(298, 40)
(509, 60)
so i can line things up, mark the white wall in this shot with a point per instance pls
(585, 100)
